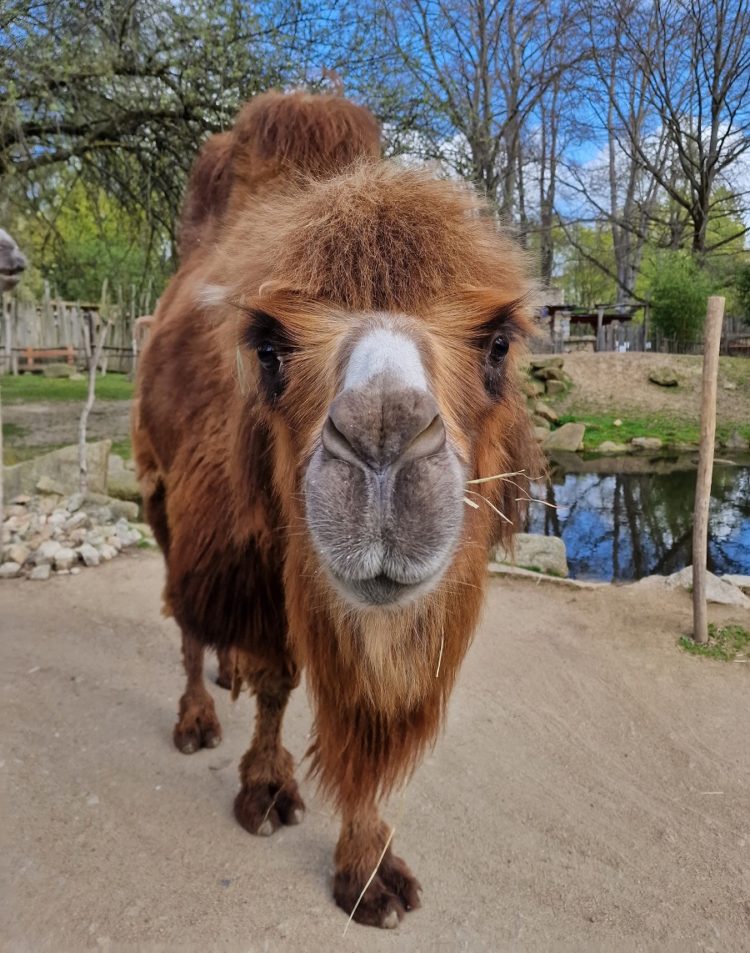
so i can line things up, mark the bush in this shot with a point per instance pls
(679, 290)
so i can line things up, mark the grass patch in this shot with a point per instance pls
(669, 430)
(123, 448)
(728, 643)
(13, 431)
(34, 387)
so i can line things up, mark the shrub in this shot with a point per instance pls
(743, 291)
(679, 290)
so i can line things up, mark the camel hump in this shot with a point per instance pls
(276, 136)
(291, 133)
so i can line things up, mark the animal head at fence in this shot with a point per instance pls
(12, 262)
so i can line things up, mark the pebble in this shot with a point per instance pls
(49, 535)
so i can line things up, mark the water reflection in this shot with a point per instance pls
(627, 525)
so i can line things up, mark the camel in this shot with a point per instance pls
(330, 434)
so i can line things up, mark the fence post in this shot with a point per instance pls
(711, 346)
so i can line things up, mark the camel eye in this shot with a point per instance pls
(269, 359)
(499, 348)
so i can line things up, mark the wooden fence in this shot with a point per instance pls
(628, 336)
(37, 332)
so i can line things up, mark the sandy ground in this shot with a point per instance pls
(615, 384)
(592, 793)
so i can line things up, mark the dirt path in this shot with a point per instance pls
(592, 793)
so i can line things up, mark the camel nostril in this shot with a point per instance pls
(427, 441)
(337, 445)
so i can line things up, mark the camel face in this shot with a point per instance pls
(384, 488)
(12, 262)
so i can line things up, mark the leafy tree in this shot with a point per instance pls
(679, 290)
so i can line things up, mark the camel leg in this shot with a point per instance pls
(225, 675)
(269, 796)
(197, 724)
(393, 891)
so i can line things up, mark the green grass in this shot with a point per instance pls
(123, 448)
(727, 643)
(668, 429)
(13, 431)
(33, 387)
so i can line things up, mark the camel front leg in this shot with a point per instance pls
(362, 851)
(197, 723)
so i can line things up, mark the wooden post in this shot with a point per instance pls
(599, 326)
(711, 347)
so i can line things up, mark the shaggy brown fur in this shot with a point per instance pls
(222, 466)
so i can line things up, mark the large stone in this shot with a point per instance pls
(741, 582)
(17, 553)
(60, 466)
(45, 555)
(9, 570)
(664, 377)
(609, 446)
(47, 485)
(89, 554)
(40, 573)
(718, 591)
(568, 437)
(545, 412)
(542, 361)
(646, 443)
(555, 387)
(534, 551)
(737, 442)
(121, 481)
(533, 388)
(540, 422)
(65, 558)
(550, 374)
(541, 433)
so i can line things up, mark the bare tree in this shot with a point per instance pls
(695, 58)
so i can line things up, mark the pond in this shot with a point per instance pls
(622, 519)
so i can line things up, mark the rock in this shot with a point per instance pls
(17, 553)
(540, 422)
(107, 552)
(546, 361)
(568, 437)
(124, 509)
(46, 553)
(545, 412)
(60, 466)
(550, 374)
(65, 558)
(121, 482)
(23, 499)
(737, 442)
(664, 377)
(609, 446)
(729, 385)
(617, 423)
(717, 590)
(646, 443)
(555, 387)
(533, 388)
(46, 484)
(78, 520)
(534, 551)
(41, 573)
(541, 433)
(741, 582)
(75, 502)
(89, 554)
(9, 570)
